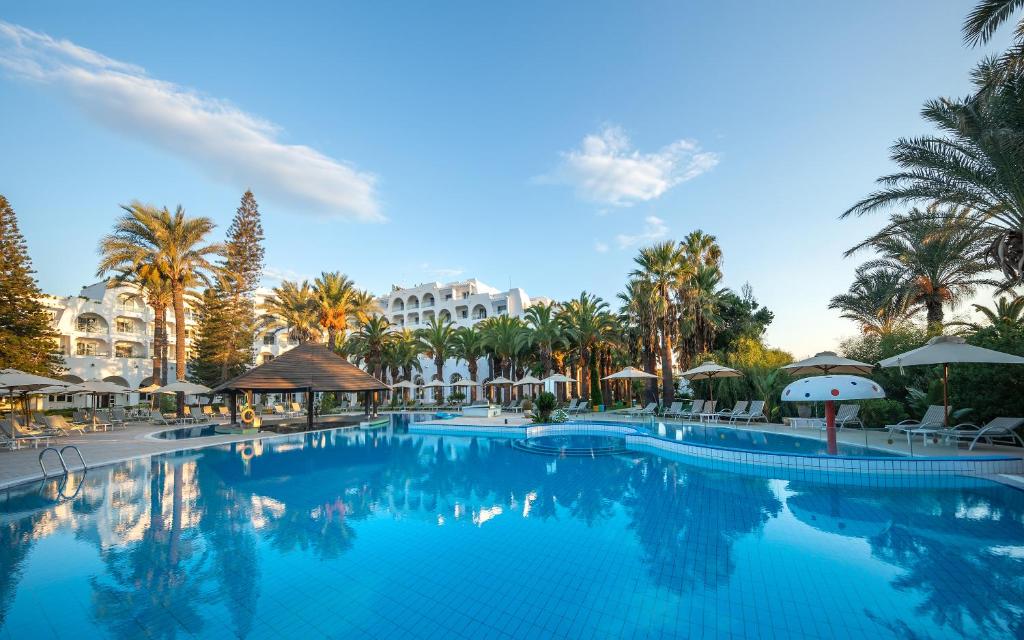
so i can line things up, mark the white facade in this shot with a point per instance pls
(107, 333)
(463, 303)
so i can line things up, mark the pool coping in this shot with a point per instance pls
(901, 465)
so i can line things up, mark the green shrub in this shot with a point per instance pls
(545, 405)
(878, 413)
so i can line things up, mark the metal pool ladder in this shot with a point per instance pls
(60, 456)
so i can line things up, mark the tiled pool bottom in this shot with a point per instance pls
(364, 535)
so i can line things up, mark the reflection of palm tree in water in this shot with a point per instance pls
(147, 581)
(949, 558)
(15, 543)
(687, 520)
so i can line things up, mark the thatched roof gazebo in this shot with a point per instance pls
(308, 368)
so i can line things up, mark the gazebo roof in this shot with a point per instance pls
(307, 366)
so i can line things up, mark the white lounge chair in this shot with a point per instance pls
(694, 411)
(738, 408)
(581, 407)
(754, 412)
(709, 411)
(847, 414)
(933, 418)
(636, 411)
(1001, 428)
(674, 410)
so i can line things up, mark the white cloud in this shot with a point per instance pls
(607, 170)
(654, 229)
(600, 247)
(231, 145)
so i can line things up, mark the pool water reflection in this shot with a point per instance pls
(351, 534)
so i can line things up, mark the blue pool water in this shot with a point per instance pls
(762, 441)
(380, 535)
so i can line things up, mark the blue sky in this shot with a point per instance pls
(531, 143)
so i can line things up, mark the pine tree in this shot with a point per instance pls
(27, 339)
(227, 317)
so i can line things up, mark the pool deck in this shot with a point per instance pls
(108, 447)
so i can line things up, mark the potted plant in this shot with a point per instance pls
(545, 405)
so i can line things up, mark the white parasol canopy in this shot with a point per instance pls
(629, 373)
(947, 350)
(151, 388)
(405, 384)
(182, 386)
(464, 383)
(499, 380)
(828, 362)
(15, 380)
(437, 383)
(101, 386)
(558, 377)
(527, 379)
(709, 369)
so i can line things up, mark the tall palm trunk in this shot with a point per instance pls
(667, 390)
(935, 313)
(651, 360)
(178, 294)
(585, 374)
(159, 344)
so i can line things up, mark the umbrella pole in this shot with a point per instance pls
(830, 427)
(945, 394)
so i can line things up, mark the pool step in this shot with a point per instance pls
(582, 452)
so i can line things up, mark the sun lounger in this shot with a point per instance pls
(60, 425)
(847, 414)
(933, 418)
(674, 410)
(224, 412)
(738, 408)
(755, 412)
(9, 431)
(297, 409)
(695, 409)
(709, 412)
(997, 428)
(581, 407)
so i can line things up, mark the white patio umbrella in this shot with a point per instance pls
(183, 386)
(405, 384)
(528, 380)
(947, 350)
(14, 380)
(500, 380)
(709, 370)
(437, 384)
(629, 373)
(560, 377)
(101, 387)
(831, 388)
(465, 383)
(828, 362)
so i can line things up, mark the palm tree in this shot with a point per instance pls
(438, 341)
(877, 301)
(639, 303)
(662, 265)
(985, 20)
(171, 244)
(334, 296)
(469, 345)
(370, 341)
(505, 338)
(699, 297)
(971, 170)
(586, 321)
(157, 291)
(1005, 311)
(547, 333)
(408, 350)
(940, 260)
(294, 308)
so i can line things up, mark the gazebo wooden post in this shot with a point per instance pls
(309, 408)
(233, 401)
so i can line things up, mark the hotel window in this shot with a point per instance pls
(123, 351)
(463, 314)
(502, 309)
(85, 348)
(465, 295)
(88, 324)
(268, 339)
(447, 296)
(124, 325)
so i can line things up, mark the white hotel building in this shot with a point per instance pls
(107, 333)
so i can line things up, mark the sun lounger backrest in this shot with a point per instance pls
(935, 414)
(756, 408)
(740, 406)
(697, 406)
(847, 411)
(709, 406)
(1003, 424)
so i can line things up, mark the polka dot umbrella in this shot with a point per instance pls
(830, 389)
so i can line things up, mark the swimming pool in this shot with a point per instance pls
(355, 534)
(751, 440)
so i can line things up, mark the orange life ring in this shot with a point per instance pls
(248, 416)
